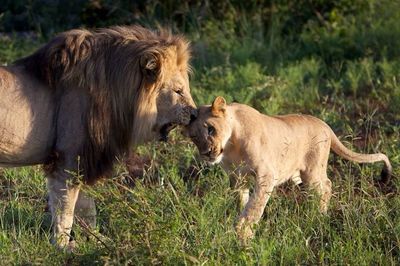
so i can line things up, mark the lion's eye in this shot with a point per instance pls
(211, 130)
(179, 91)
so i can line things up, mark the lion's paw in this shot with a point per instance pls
(72, 245)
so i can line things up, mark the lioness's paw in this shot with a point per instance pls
(244, 232)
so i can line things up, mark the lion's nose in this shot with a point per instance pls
(193, 115)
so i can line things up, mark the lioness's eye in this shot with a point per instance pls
(211, 130)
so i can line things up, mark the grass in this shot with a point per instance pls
(170, 222)
(164, 220)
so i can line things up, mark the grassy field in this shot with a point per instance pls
(346, 72)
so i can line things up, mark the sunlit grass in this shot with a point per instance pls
(171, 222)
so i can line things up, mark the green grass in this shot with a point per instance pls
(163, 220)
(170, 222)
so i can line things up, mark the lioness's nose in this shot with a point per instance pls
(206, 153)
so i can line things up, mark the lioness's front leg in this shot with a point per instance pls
(237, 184)
(255, 207)
(62, 199)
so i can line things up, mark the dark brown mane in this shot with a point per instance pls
(107, 64)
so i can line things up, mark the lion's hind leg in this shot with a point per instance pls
(85, 211)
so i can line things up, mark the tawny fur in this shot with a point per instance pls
(273, 149)
(84, 99)
(108, 66)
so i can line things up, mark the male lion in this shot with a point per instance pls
(273, 149)
(83, 99)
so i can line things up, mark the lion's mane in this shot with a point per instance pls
(118, 89)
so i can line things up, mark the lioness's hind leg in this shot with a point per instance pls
(320, 182)
(315, 175)
(324, 188)
(296, 178)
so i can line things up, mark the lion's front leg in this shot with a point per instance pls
(254, 208)
(62, 199)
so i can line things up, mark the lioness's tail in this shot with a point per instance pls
(344, 152)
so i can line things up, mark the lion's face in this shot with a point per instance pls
(169, 103)
(210, 132)
(174, 103)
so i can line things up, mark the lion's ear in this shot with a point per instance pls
(150, 64)
(218, 106)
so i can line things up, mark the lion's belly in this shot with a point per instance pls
(26, 121)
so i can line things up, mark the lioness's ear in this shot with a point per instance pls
(150, 64)
(218, 106)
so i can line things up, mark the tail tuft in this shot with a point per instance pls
(385, 176)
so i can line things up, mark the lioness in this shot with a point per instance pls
(273, 149)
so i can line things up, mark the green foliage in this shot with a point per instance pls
(11, 49)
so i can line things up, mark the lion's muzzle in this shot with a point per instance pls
(193, 115)
(188, 115)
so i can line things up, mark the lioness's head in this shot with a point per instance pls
(165, 70)
(210, 131)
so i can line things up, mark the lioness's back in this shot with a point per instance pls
(291, 122)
